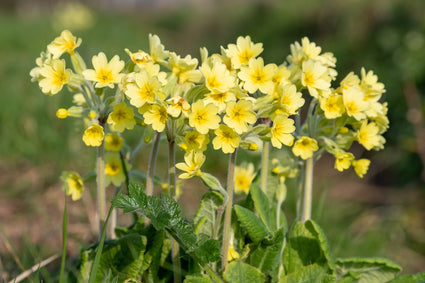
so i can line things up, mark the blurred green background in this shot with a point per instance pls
(381, 215)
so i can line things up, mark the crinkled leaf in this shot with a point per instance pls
(198, 278)
(416, 278)
(136, 199)
(368, 270)
(308, 274)
(240, 272)
(261, 204)
(307, 244)
(206, 216)
(251, 223)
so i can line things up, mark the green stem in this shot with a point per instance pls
(114, 217)
(264, 166)
(228, 210)
(172, 193)
(152, 164)
(308, 190)
(64, 240)
(100, 181)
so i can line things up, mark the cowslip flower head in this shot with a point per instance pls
(256, 76)
(54, 77)
(145, 89)
(282, 130)
(332, 106)
(192, 165)
(226, 139)
(204, 117)
(114, 172)
(343, 160)
(156, 116)
(241, 52)
(244, 175)
(113, 142)
(217, 79)
(361, 166)
(304, 147)
(105, 74)
(93, 135)
(66, 42)
(195, 141)
(368, 136)
(121, 118)
(354, 103)
(315, 77)
(72, 184)
(239, 115)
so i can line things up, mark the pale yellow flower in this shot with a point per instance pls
(185, 68)
(290, 101)
(361, 166)
(232, 254)
(305, 147)
(158, 52)
(192, 165)
(138, 57)
(220, 99)
(282, 130)
(105, 74)
(66, 42)
(54, 76)
(73, 184)
(244, 175)
(145, 89)
(304, 51)
(93, 135)
(113, 142)
(332, 106)
(217, 79)
(368, 136)
(121, 118)
(239, 115)
(114, 171)
(178, 105)
(355, 105)
(370, 86)
(257, 76)
(343, 160)
(204, 117)
(156, 116)
(241, 52)
(226, 139)
(315, 77)
(195, 141)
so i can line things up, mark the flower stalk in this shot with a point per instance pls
(308, 190)
(264, 166)
(100, 182)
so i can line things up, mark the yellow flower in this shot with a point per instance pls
(305, 147)
(138, 57)
(217, 79)
(204, 117)
(114, 172)
(304, 51)
(185, 68)
(226, 139)
(315, 77)
(93, 135)
(192, 165)
(54, 77)
(113, 142)
(257, 76)
(332, 106)
(156, 116)
(355, 105)
(281, 77)
(233, 254)
(121, 118)
(370, 86)
(361, 166)
(290, 101)
(158, 52)
(281, 131)
(73, 184)
(62, 113)
(243, 51)
(178, 105)
(105, 73)
(195, 141)
(239, 115)
(368, 136)
(145, 89)
(351, 80)
(244, 175)
(343, 160)
(66, 42)
(220, 99)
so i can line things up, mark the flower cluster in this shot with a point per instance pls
(230, 99)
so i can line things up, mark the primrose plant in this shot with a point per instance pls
(227, 102)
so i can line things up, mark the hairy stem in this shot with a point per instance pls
(152, 164)
(100, 181)
(264, 166)
(308, 190)
(228, 210)
(172, 193)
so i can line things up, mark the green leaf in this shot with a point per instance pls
(198, 278)
(261, 204)
(206, 217)
(308, 274)
(368, 270)
(307, 244)
(267, 257)
(213, 183)
(123, 258)
(417, 278)
(251, 223)
(240, 272)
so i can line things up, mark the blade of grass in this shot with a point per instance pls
(12, 252)
(64, 240)
(33, 269)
